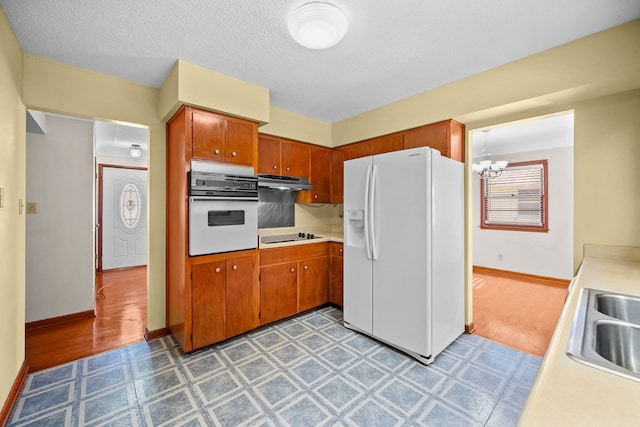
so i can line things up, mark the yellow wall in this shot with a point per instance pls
(295, 126)
(12, 224)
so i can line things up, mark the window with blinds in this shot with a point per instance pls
(517, 199)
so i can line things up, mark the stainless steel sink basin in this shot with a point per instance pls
(621, 307)
(619, 344)
(606, 333)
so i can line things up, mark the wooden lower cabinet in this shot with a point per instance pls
(224, 297)
(313, 283)
(336, 287)
(278, 292)
(293, 279)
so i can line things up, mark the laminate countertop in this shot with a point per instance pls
(568, 393)
(323, 234)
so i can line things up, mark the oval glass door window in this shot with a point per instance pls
(130, 205)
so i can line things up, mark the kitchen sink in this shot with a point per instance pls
(606, 333)
(619, 344)
(619, 306)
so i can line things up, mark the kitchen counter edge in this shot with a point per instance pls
(566, 392)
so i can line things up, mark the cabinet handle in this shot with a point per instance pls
(315, 197)
(235, 267)
(287, 169)
(275, 167)
(216, 151)
(217, 269)
(293, 269)
(306, 267)
(340, 250)
(233, 154)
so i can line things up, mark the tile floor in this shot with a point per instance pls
(306, 371)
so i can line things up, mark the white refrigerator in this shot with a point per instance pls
(404, 250)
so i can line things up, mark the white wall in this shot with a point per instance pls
(59, 237)
(542, 254)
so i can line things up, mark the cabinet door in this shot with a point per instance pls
(386, 144)
(435, 136)
(208, 303)
(208, 136)
(338, 156)
(241, 296)
(336, 285)
(278, 292)
(240, 138)
(319, 175)
(295, 159)
(313, 282)
(359, 149)
(268, 155)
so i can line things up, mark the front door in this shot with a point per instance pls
(122, 224)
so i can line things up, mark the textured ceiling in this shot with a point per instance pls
(393, 49)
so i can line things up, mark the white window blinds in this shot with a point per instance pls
(517, 197)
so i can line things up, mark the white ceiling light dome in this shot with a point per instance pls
(317, 25)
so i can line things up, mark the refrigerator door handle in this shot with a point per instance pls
(372, 226)
(366, 213)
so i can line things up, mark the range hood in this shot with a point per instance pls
(284, 182)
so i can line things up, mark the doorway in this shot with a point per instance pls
(63, 157)
(512, 268)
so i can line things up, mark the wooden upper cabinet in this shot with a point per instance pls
(446, 136)
(338, 156)
(223, 139)
(240, 140)
(386, 144)
(269, 155)
(319, 177)
(208, 136)
(295, 159)
(358, 149)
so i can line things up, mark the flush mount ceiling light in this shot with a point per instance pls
(317, 25)
(135, 150)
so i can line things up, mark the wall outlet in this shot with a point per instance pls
(1, 197)
(499, 257)
(32, 208)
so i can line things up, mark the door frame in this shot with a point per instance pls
(99, 217)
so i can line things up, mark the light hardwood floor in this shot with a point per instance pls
(121, 316)
(521, 314)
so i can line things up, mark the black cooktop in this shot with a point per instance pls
(288, 237)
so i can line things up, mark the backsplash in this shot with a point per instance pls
(276, 208)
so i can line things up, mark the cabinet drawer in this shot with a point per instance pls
(291, 253)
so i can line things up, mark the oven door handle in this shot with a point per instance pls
(217, 199)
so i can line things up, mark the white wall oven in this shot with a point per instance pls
(223, 208)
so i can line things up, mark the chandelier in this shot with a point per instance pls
(486, 168)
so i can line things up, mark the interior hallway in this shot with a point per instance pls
(121, 316)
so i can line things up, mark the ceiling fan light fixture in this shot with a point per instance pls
(317, 25)
(135, 151)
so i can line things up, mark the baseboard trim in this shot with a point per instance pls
(158, 333)
(14, 393)
(89, 314)
(542, 280)
(470, 328)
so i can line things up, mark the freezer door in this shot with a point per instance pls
(357, 273)
(401, 270)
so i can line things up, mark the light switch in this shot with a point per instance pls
(31, 208)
